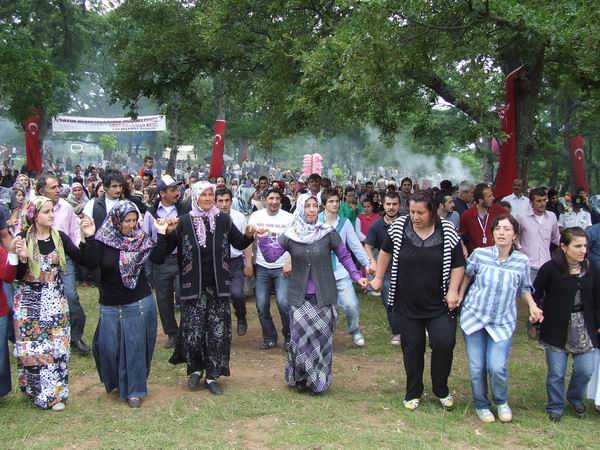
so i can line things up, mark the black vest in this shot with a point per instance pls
(99, 211)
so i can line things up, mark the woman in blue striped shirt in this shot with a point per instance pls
(489, 315)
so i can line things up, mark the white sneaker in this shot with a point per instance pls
(447, 402)
(504, 413)
(395, 339)
(58, 406)
(485, 415)
(358, 339)
(411, 404)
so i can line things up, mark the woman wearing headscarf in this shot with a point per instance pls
(242, 202)
(41, 314)
(312, 293)
(203, 238)
(126, 332)
(77, 198)
(14, 223)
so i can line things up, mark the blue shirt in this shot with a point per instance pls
(491, 300)
(593, 235)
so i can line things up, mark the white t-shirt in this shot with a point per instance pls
(239, 220)
(88, 209)
(276, 224)
(570, 219)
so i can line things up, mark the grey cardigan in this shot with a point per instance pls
(316, 259)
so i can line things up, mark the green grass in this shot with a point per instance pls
(362, 410)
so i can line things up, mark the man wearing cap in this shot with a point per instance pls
(165, 277)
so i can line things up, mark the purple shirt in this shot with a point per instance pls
(66, 221)
(272, 251)
(535, 237)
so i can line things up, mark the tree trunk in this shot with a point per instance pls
(173, 142)
(553, 180)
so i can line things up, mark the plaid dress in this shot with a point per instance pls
(311, 344)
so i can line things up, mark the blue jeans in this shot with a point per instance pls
(5, 382)
(265, 279)
(487, 358)
(583, 368)
(76, 314)
(348, 301)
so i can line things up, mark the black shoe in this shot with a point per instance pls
(580, 409)
(81, 346)
(194, 381)
(300, 386)
(214, 387)
(267, 345)
(554, 417)
(134, 402)
(242, 326)
(171, 341)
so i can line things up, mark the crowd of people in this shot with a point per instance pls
(443, 258)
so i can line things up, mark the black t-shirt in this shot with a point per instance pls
(377, 235)
(419, 280)
(47, 246)
(112, 290)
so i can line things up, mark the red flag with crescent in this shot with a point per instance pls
(578, 157)
(32, 142)
(216, 163)
(507, 167)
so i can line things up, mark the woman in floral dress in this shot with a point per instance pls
(41, 313)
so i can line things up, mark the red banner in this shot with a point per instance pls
(33, 151)
(578, 157)
(216, 163)
(507, 168)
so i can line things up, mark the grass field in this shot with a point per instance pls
(362, 410)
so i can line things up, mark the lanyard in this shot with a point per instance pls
(483, 227)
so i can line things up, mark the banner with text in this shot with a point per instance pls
(76, 124)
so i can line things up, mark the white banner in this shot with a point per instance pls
(108, 125)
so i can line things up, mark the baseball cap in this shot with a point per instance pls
(167, 181)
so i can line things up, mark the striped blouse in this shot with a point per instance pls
(491, 300)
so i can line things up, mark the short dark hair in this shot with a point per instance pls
(328, 193)
(272, 190)
(440, 198)
(552, 192)
(505, 204)
(446, 185)
(314, 176)
(537, 192)
(369, 183)
(224, 191)
(392, 195)
(111, 175)
(40, 183)
(406, 179)
(349, 189)
(325, 182)
(148, 158)
(262, 177)
(478, 192)
(222, 176)
(366, 199)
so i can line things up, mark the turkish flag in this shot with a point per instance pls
(216, 163)
(578, 158)
(32, 142)
(507, 167)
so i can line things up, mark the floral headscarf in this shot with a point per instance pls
(133, 250)
(29, 214)
(200, 214)
(306, 232)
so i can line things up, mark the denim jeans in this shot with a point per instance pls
(583, 368)
(487, 358)
(9, 292)
(348, 301)
(5, 382)
(265, 279)
(393, 316)
(123, 346)
(76, 313)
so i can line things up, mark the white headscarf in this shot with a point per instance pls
(302, 231)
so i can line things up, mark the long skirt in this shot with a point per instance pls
(311, 344)
(42, 340)
(204, 340)
(123, 346)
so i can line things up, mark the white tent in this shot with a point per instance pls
(184, 153)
